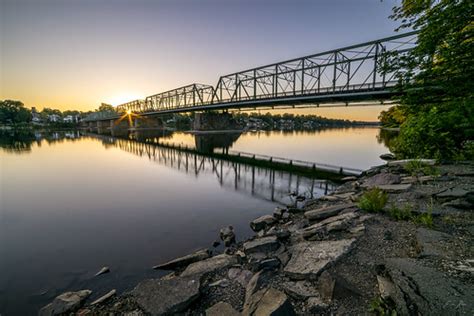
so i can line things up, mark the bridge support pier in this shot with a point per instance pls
(148, 123)
(208, 121)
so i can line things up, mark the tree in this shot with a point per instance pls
(436, 78)
(14, 112)
(104, 107)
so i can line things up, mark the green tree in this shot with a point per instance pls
(14, 112)
(436, 78)
(104, 107)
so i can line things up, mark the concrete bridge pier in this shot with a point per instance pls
(119, 128)
(148, 122)
(211, 121)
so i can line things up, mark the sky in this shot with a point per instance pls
(76, 54)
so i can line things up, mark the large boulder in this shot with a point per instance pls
(269, 302)
(423, 290)
(166, 296)
(209, 265)
(221, 309)
(65, 303)
(325, 212)
(334, 223)
(382, 178)
(263, 245)
(310, 258)
(262, 222)
(184, 261)
(227, 235)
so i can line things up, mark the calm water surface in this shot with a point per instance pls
(72, 203)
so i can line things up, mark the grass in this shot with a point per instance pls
(424, 219)
(404, 213)
(373, 200)
(417, 167)
(381, 307)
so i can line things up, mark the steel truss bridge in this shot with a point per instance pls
(261, 182)
(349, 74)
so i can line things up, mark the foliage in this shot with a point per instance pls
(373, 200)
(381, 307)
(417, 167)
(404, 213)
(436, 78)
(393, 117)
(104, 107)
(14, 112)
(424, 219)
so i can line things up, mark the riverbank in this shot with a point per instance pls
(329, 255)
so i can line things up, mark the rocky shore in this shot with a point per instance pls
(397, 238)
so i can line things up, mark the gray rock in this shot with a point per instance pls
(326, 284)
(315, 305)
(165, 297)
(209, 265)
(425, 291)
(334, 223)
(453, 193)
(269, 302)
(264, 244)
(338, 197)
(221, 309)
(325, 212)
(350, 178)
(103, 271)
(220, 283)
(386, 287)
(387, 156)
(271, 263)
(262, 222)
(280, 233)
(404, 162)
(105, 297)
(431, 242)
(65, 303)
(382, 178)
(278, 212)
(253, 286)
(310, 258)
(459, 204)
(395, 188)
(184, 261)
(300, 290)
(240, 275)
(227, 235)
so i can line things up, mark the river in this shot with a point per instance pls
(72, 203)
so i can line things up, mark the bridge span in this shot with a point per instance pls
(349, 74)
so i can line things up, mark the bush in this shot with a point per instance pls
(404, 213)
(417, 167)
(424, 219)
(373, 200)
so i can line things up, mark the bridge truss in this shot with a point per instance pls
(352, 73)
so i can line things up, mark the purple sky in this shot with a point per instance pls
(79, 53)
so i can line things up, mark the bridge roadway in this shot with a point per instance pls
(350, 74)
(268, 182)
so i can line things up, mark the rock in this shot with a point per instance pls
(262, 222)
(220, 283)
(284, 257)
(253, 286)
(278, 212)
(350, 178)
(104, 297)
(269, 302)
(326, 284)
(300, 290)
(295, 210)
(338, 197)
(136, 312)
(325, 212)
(280, 233)
(310, 258)
(395, 188)
(431, 242)
(184, 261)
(300, 198)
(387, 156)
(425, 291)
(334, 223)
(315, 305)
(459, 204)
(227, 235)
(452, 193)
(383, 178)
(270, 264)
(241, 276)
(208, 265)
(216, 243)
(103, 271)
(404, 162)
(386, 287)
(165, 297)
(264, 244)
(358, 229)
(65, 303)
(221, 309)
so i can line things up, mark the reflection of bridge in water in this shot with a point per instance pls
(259, 181)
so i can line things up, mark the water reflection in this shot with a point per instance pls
(21, 141)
